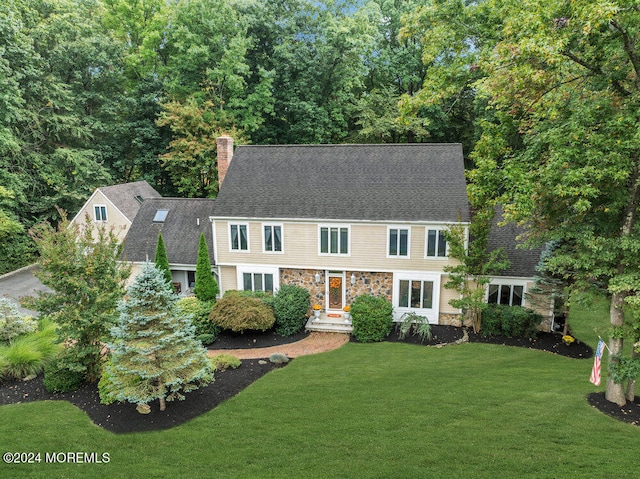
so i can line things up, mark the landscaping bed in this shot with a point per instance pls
(123, 417)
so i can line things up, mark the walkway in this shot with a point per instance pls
(316, 342)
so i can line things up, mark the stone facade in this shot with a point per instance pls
(376, 284)
(306, 278)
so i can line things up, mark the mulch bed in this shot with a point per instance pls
(123, 417)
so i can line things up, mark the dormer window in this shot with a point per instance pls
(160, 216)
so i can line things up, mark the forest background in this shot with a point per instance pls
(99, 92)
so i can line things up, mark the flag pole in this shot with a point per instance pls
(605, 344)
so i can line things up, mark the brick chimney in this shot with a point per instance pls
(224, 145)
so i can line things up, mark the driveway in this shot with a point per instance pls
(21, 283)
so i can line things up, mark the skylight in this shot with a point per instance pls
(160, 216)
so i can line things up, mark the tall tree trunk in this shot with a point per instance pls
(615, 392)
(163, 401)
(631, 385)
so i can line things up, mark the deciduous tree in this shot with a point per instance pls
(80, 264)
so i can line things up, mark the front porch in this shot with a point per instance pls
(334, 322)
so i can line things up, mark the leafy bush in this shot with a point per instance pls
(239, 313)
(59, 379)
(510, 321)
(12, 323)
(206, 330)
(290, 306)
(371, 318)
(223, 361)
(416, 324)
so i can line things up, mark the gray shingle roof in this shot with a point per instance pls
(411, 182)
(180, 230)
(123, 196)
(523, 261)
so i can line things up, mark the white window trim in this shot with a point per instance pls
(105, 213)
(239, 250)
(508, 282)
(404, 227)
(264, 243)
(240, 270)
(339, 226)
(432, 314)
(426, 244)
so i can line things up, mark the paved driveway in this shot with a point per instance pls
(21, 283)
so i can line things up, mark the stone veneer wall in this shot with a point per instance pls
(305, 278)
(376, 284)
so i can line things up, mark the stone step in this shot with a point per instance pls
(336, 325)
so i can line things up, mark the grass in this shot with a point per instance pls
(365, 410)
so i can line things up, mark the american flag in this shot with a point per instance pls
(595, 372)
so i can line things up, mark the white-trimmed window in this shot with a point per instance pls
(509, 293)
(257, 278)
(272, 238)
(100, 212)
(398, 242)
(418, 293)
(436, 245)
(334, 240)
(239, 237)
(415, 294)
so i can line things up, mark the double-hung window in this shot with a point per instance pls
(436, 244)
(272, 238)
(398, 242)
(239, 237)
(100, 212)
(334, 240)
(507, 294)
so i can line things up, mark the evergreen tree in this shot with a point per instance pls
(162, 261)
(154, 354)
(206, 286)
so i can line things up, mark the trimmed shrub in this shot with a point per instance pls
(206, 288)
(277, 358)
(371, 318)
(59, 379)
(223, 361)
(510, 321)
(290, 307)
(239, 313)
(206, 330)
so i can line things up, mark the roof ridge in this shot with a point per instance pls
(339, 145)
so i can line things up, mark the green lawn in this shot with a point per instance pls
(378, 410)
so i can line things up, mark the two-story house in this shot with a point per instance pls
(340, 221)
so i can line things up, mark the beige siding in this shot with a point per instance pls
(115, 219)
(228, 278)
(445, 296)
(368, 249)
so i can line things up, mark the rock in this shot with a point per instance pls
(143, 408)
